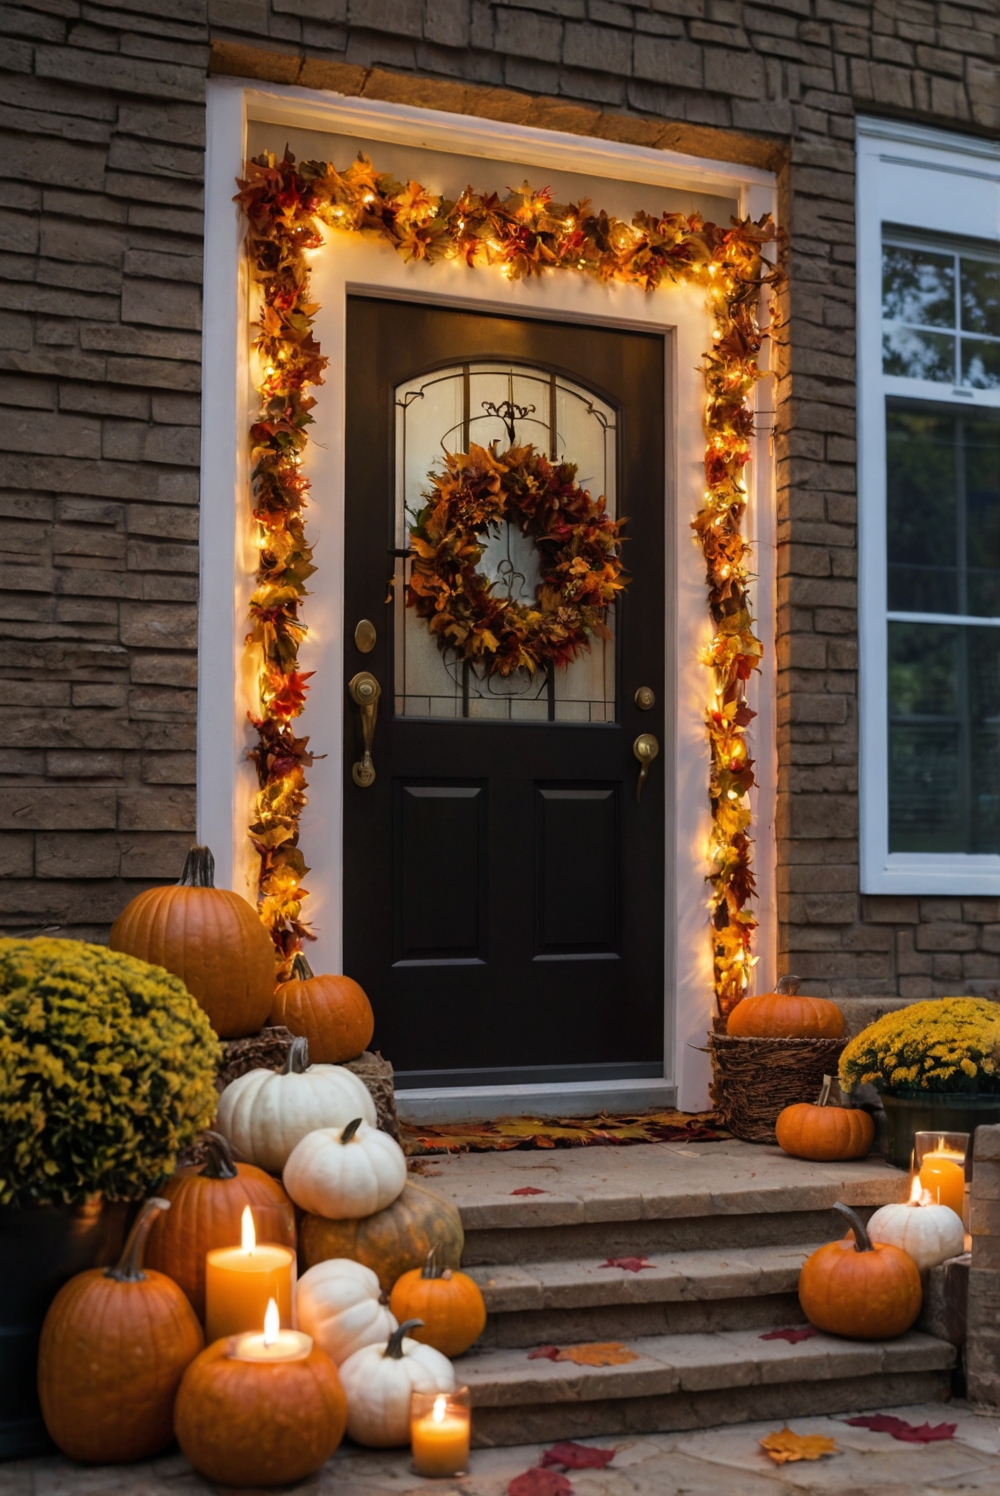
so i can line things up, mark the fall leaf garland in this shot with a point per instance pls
(523, 233)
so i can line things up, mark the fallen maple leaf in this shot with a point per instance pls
(600, 1353)
(573, 1456)
(528, 1189)
(802, 1332)
(540, 1482)
(628, 1264)
(544, 1353)
(785, 1446)
(909, 1433)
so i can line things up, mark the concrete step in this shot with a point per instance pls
(696, 1380)
(566, 1302)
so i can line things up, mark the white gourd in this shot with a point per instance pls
(378, 1380)
(265, 1113)
(345, 1172)
(927, 1232)
(340, 1304)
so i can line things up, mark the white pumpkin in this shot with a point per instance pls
(927, 1232)
(265, 1113)
(340, 1304)
(345, 1172)
(378, 1380)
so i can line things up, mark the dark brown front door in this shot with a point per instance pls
(503, 886)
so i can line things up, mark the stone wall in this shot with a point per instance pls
(100, 348)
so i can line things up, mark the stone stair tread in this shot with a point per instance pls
(671, 1277)
(668, 1364)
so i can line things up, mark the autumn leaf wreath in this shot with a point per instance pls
(580, 562)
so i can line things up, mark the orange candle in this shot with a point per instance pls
(942, 1174)
(239, 1282)
(440, 1436)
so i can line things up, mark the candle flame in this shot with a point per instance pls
(440, 1408)
(918, 1195)
(249, 1235)
(272, 1321)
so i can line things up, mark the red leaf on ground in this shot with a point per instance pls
(628, 1264)
(540, 1482)
(793, 1336)
(528, 1189)
(573, 1456)
(544, 1353)
(909, 1433)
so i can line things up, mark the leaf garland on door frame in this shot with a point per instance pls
(524, 233)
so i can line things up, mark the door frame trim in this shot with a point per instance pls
(225, 779)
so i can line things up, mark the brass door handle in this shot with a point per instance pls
(645, 749)
(365, 692)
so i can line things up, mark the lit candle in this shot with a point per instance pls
(239, 1281)
(942, 1174)
(275, 1344)
(440, 1434)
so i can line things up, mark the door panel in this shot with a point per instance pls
(503, 886)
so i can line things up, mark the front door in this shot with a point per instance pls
(503, 882)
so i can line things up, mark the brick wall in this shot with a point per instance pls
(104, 105)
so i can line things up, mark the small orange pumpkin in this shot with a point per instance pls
(784, 1014)
(854, 1287)
(332, 1012)
(449, 1303)
(210, 938)
(208, 1211)
(115, 1343)
(824, 1132)
(246, 1423)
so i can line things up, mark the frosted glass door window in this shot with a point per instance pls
(445, 412)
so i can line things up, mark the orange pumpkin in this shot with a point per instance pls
(333, 1013)
(115, 1343)
(783, 1014)
(207, 1212)
(210, 938)
(824, 1132)
(450, 1305)
(854, 1287)
(246, 1423)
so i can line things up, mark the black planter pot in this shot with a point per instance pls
(906, 1115)
(41, 1247)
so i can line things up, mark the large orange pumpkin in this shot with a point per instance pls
(448, 1307)
(115, 1343)
(246, 1423)
(210, 938)
(392, 1241)
(854, 1287)
(208, 1211)
(784, 1014)
(332, 1012)
(824, 1132)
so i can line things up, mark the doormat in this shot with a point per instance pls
(604, 1130)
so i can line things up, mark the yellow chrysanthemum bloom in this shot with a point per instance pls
(948, 1045)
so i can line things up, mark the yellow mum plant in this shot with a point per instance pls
(107, 1070)
(951, 1045)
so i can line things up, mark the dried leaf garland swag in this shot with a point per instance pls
(524, 233)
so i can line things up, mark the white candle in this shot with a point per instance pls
(275, 1344)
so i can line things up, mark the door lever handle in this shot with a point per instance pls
(365, 692)
(645, 749)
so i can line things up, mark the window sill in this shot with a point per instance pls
(933, 874)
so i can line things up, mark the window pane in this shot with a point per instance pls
(980, 282)
(980, 364)
(919, 355)
(921, 514)
(944, 738)
(981, 462)
(918, 285)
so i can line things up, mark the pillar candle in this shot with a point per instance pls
(239, 1281)
(942, 1173)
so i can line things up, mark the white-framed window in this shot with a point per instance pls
(928, 227)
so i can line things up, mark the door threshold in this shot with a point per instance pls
(555, 1099)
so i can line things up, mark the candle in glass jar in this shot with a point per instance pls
(440, 1436)
(942, 1174)
(239, 1282)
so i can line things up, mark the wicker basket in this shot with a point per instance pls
(753, 1079)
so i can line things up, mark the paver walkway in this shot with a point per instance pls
(712, 1462)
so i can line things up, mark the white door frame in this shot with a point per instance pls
(226, 689)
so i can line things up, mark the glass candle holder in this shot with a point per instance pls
(939, 1159)
(440, 1427)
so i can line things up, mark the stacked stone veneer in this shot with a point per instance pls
(982, 1350)
(102, 182)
